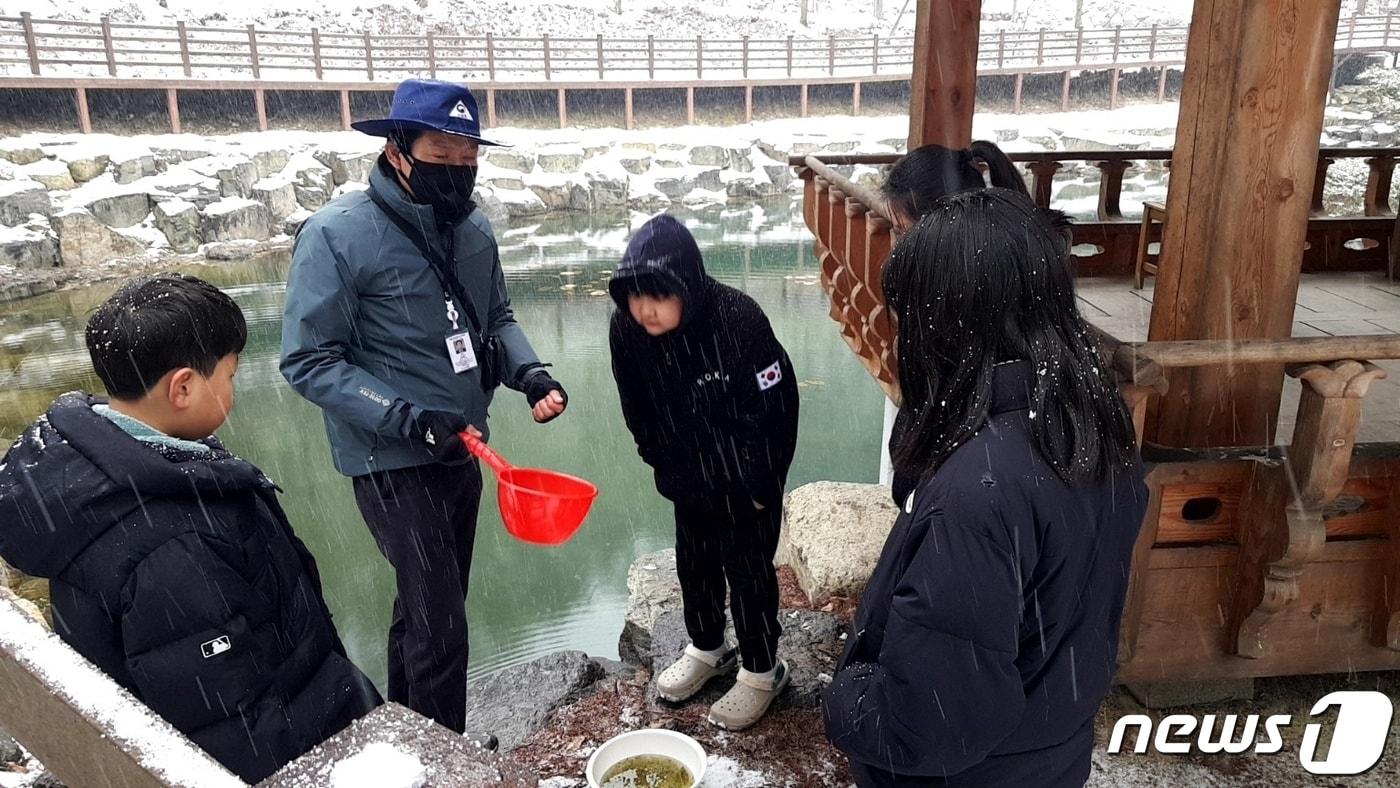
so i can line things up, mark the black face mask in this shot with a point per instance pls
(446, 187)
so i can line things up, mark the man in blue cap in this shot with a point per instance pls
(398, 325)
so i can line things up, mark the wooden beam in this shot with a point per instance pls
(260, 106)
(748, 103)
(84, 117)
(172, 108)
(491, 107)
(629, 117)
(345, 110)
(855, 99)
(1020, 85)
(1237, 213)
(802, 103)
(563, 108)
(1064, 92)
(690, 106)
(944, 87)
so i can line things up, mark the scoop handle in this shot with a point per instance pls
(487, 454)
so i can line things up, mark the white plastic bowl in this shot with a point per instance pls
(652, 741)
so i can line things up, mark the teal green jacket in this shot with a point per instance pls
(364, 327)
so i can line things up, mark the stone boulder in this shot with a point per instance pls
(653, 590)
(121, 210)
(555, 197)
(561, 163)
(609, 192)
(278, 195)
(314, 175)
(492, 208)
(709, 156)
(85, 241)
(516, 161)
(514, 703)
(19, 153)
(237, 179)
(270, 162)
(649, 147)
(181, 223)
(291, 225)
(52, 173)
(781, 175)
(236, 219)
(636, 165)
(131, 169)
(832, 536)
(348, 167)
(29, 247)
(675, 189)
(310, 197)
(21, 199)
(510, 184)
(10, 752)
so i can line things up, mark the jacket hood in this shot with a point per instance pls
(663, 249)
(74, 474)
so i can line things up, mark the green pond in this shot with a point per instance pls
(525, 601)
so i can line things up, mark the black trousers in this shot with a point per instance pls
(424, 521)
(725, 538)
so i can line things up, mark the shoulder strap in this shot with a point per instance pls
(444, 269)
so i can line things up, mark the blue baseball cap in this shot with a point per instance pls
(430, 105)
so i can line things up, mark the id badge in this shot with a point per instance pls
(460, 350)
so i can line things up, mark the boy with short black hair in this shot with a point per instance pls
(172, 565)
(710, 397)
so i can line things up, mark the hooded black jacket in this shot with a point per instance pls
(158, 559)
(988, 635)
(692, 398)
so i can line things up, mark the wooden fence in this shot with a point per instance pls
(32, 47)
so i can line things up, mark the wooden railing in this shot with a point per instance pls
(59, 48)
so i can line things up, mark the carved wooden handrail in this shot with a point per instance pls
(871, 199)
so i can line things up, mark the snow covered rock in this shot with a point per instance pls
(512, 184)
(609, 192)
(636, 164)
(514, 703)
(181, 223)
(52, 173)
(278, 195)
(120, 210)
(20, 199)
(832, 536)
(270, 162)
(652, 591)
(492, 208)
(380, 765)
(29, 247)
(564, 163)
(780, 175)
(555, 197)
(85, 241)
(292, 224)
(131, 169)
(10, 751)
(236, 219)
(518, 161)
(310, 197)
(676, 189)
(709, 156)
(347, 167)
(19, 153)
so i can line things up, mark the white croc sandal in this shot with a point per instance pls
(749, 700)
(689, 674)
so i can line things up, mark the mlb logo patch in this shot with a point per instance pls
(460, 111)
(770, 377)
(215, 647)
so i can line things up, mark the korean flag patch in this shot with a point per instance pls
(770, 377)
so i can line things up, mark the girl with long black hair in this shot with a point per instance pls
(988, 634)
(931, 172)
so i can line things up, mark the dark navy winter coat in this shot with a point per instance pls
(178, 574)
(713, 404)
(988, 635)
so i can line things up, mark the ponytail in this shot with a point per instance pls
(1000, 169)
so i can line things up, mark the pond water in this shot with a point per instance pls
(524, 601)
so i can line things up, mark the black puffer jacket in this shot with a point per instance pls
(988, 635)
(713, 403)
(178, 574)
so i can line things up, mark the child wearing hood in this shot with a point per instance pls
(711, 399)
(171, 564)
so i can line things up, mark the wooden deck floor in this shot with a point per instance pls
(1328, 305)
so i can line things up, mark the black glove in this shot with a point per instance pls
(439, 432)
(538, 386)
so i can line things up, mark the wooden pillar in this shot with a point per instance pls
(563, 109)
(855, 99)
(260, 106)
(1113, 89)
(803, 102)
(690, 105)
(1064, 93)
(345, 110)
(172, 108)
(84, 117)
(491, 107)
(748, 103)
(1016, 102)
(629, 117)
(944, 87)
(1162, 85)
(1242, 181)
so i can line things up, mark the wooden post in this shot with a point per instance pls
(316, 52)
(1113, 89)
(1064, 93)
(111, 51)
(944, 87)
(746, 57)
(491, 56)
(1016, 103)
(1079, 48)
(1111, 189)
(84, 117)
(432, 54)
(748, 103)
(1040, 49)
(875, 56)
(1378, 186)
(651, 57)
(260, 107)
(31, 43)
(369, 56)
(1001, 49)
(831, 55)
(1152, 46)
(699, 57)
(1043, 181)
(253, 52)
(563, 109)
(547, 70)
(855, 99)
(629, 118)
(345, 110)
(1162, 85)
(1317, 207)
(1117, 43)
(803, 101)
(789, 56)
(690, 105)
(491, 106)
(1232, 247)
(184, 46)
(172, 109)
(600, 56)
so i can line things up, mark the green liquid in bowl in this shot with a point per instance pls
(648, 771)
